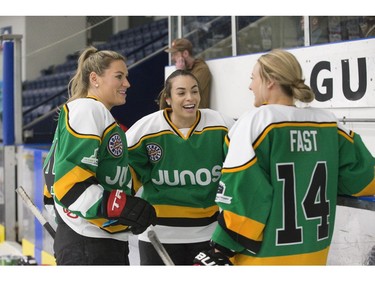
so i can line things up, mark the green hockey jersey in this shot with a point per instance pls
(180, 172)
(280, 182)
(88, 155)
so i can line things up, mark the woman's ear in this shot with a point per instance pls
(94, 79)
(168, 101)
(270, 84)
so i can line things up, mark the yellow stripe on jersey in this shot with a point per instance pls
(244, 226)
(240, 168)
(265, 133)
(74, 133)
(213, 128)
(171, 133)
(109, 129)
(46, 192)
(316, 258)
(168, 211)
(111, 229)
(150, 136)
(226, 139)
(345, 135)
(65, 183)
(291, 124)
(166, 113)
(368, 190)
(137, 184)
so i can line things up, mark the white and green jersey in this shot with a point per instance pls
(88, 155)
(180, 172)
(284, 169)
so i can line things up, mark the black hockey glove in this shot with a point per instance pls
(209, 258)
(128, 210)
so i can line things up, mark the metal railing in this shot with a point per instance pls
(357, 120)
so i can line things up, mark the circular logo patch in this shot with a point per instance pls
(115, 146)
(154, 152)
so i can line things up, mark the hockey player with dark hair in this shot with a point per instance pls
(177, 154)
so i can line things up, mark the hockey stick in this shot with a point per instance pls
(159, 248)
(30, 204)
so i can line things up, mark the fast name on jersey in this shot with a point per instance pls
(303, 140)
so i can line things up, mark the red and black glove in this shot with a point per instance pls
(124, 209)
(211, 257)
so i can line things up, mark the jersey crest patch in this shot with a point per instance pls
(115, 146)
(154, 152)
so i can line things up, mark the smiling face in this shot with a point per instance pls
(184, 100)
(258, 87)
(111, 87)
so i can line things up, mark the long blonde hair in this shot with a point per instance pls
(90, 60)
(282, 67)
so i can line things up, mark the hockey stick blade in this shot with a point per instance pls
(30, 204)
(159, 248)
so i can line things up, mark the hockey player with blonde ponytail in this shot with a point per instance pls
(284, 168)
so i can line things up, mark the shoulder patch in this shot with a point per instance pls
(220, 197)
(154, 152)
(115, 145)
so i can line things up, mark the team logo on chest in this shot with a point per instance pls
(154, 152)
(115, 146)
